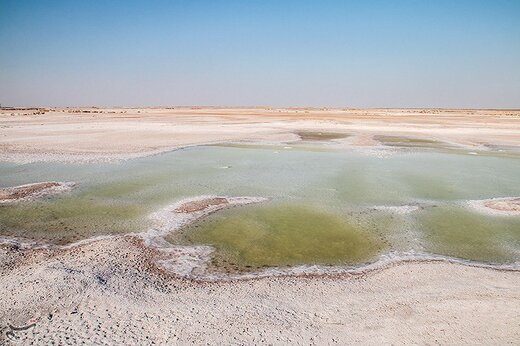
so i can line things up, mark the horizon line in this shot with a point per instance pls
(27, 107)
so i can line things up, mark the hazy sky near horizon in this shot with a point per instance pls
(458, 53)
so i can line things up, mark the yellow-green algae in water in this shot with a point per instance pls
(65, 220)
(462, 233)
(278, 235)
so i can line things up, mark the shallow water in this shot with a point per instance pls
(457, 232)
(398, 141)
(320, 136)
(282, 234)
(322, 208)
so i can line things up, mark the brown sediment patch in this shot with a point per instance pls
(25, 190)
(200, 205)
(364, 140)
(29, 191)
(509, 205)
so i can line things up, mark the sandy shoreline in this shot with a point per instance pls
(112, 291)
(193, 261)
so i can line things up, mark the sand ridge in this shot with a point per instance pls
(32, 191)
(200, 205)
(504, 206)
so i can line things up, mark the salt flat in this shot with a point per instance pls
(79, 134)
(111, 290)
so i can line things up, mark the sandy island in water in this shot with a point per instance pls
(119, 289)
(507, 206)
(32, 191)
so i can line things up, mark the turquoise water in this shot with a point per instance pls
(341, 186)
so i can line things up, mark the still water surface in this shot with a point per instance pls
(324, 206)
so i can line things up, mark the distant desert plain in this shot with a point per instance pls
(100, 134)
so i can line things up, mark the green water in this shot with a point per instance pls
(457, 232)
(68, 219)
(321, 208)
(278, 235)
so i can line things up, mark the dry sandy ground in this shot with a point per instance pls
(67, 134)
(111, 292)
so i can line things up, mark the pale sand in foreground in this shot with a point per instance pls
(111, 291)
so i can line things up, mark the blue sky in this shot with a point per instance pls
(281, 53)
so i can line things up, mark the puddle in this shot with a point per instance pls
(320, 136)
(281, 235)
(408, 142)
